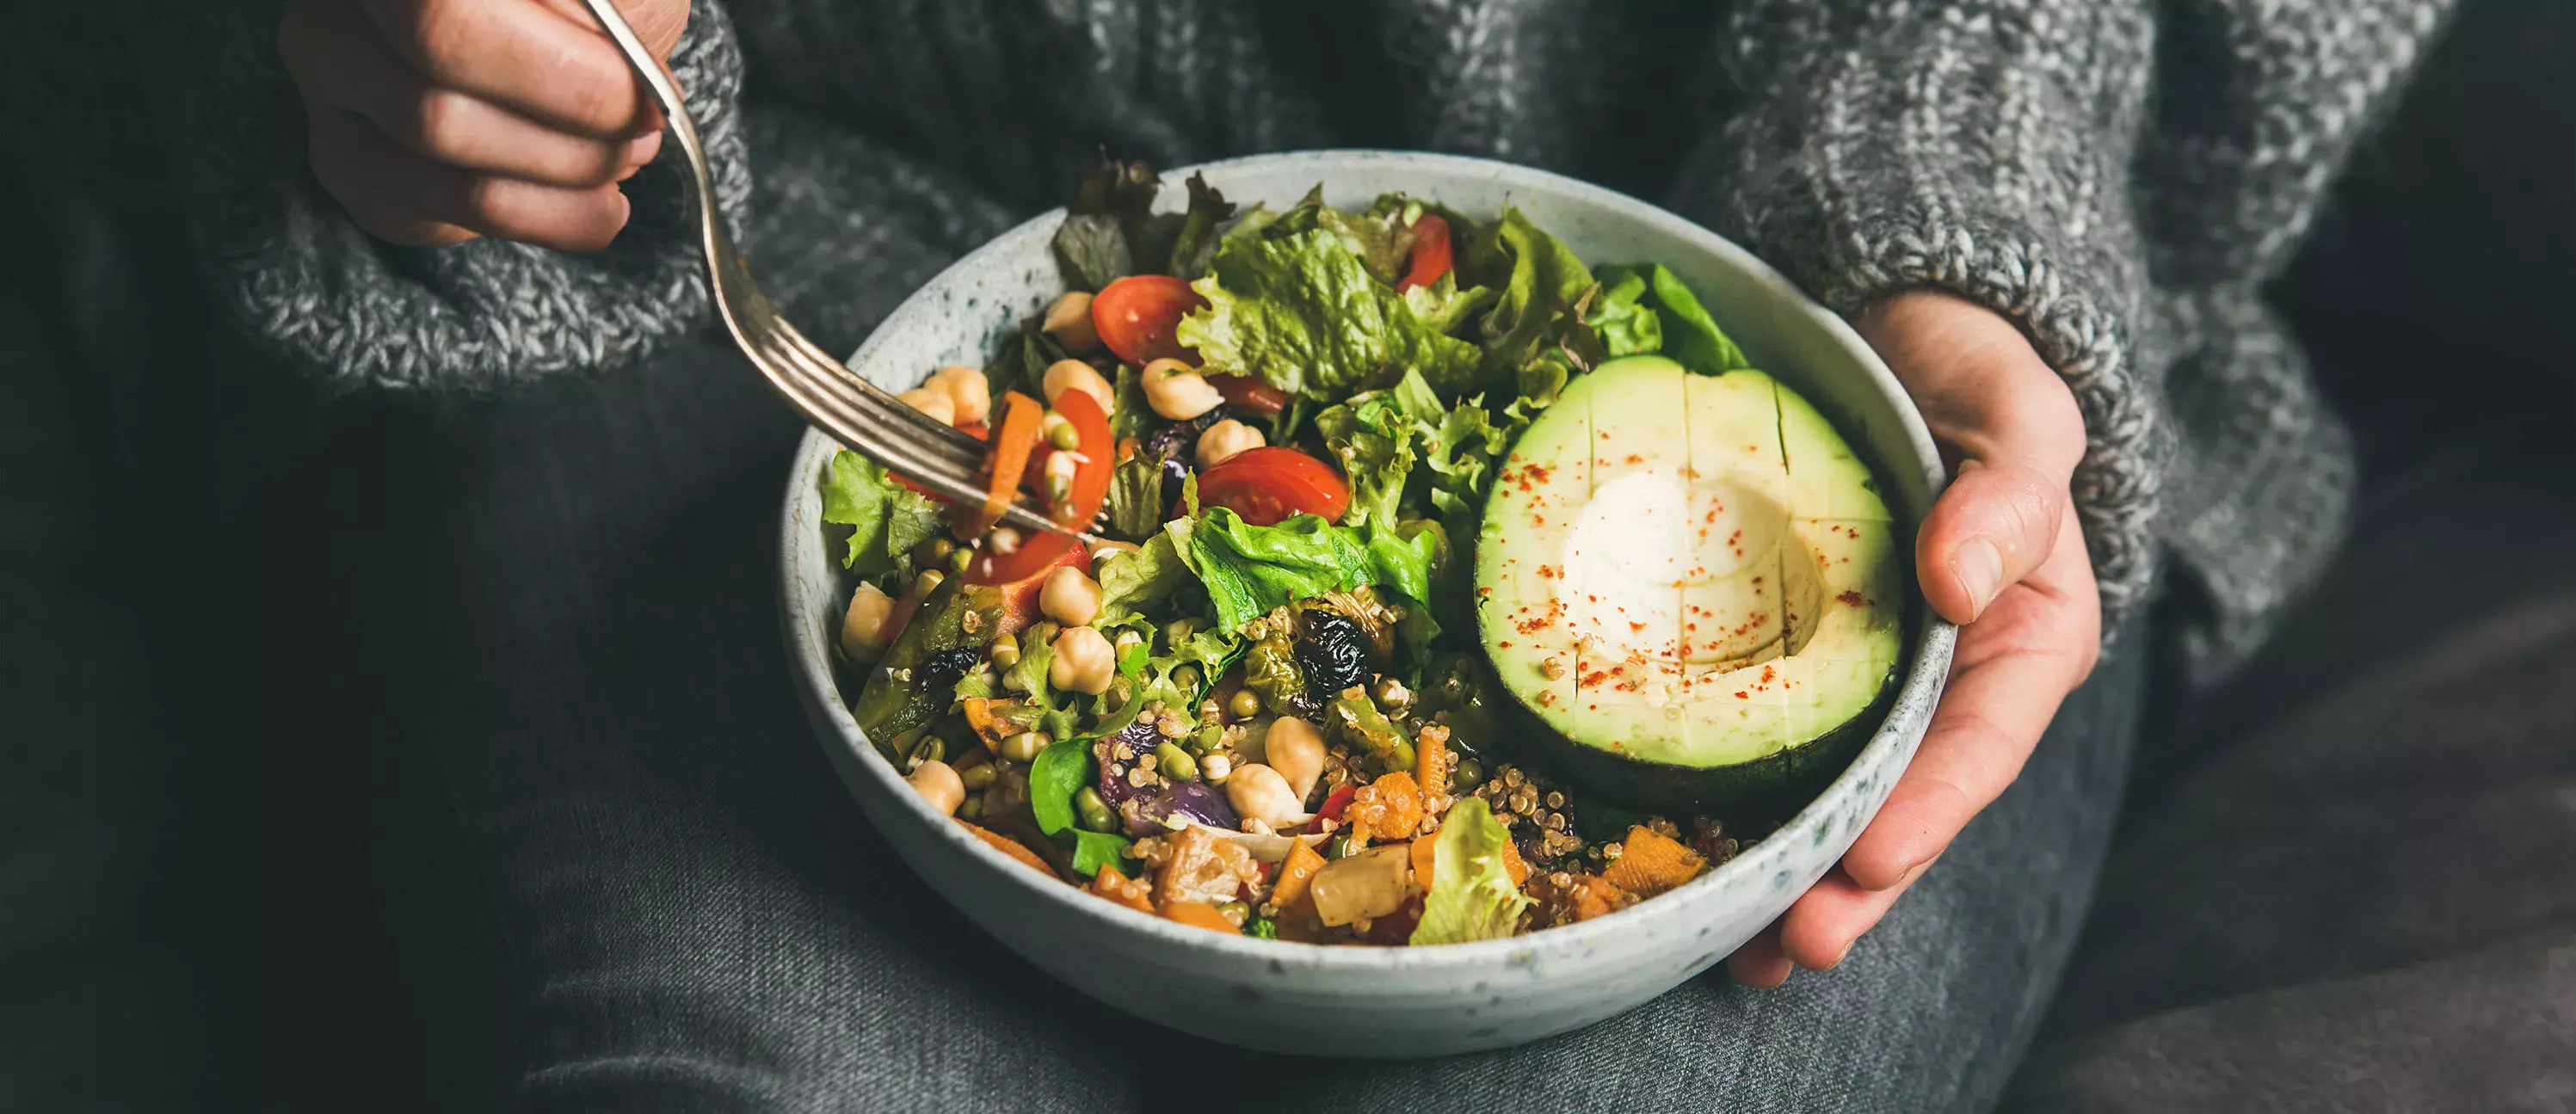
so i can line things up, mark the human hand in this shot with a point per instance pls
(2001, 555)
(436, 121)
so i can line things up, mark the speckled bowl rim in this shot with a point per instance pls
(1925, 674)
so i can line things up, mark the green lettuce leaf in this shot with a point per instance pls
(1110, 231)
(1620, 316)
(1471, 896)
(1136, 496)
(1443, 306)
(1541, 279)
(1200, 225)
(1133, 585)
(1691, 336)
(1379, 436)
(1093, 850)
(1248, 569)
(1059, 771)
(1302, 313)
(886, 519)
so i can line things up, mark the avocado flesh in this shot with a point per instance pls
(1691, 583)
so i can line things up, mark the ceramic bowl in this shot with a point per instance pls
(1380, 1002)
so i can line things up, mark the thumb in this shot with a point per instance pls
(1996, 522)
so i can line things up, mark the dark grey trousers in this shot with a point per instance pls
(621, 875)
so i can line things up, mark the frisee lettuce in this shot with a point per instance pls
(1471, 896)
(1302, 313)
(886, 519)
(1248, 569)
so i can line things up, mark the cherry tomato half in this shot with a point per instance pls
(1095, 450)
(1020, 597)
(1430, 253)
(1135, 317)
(1244, 392)
(1272, 483)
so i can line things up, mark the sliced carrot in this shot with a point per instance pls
(1011, 847)
(1431, 759)
(1011, 443)
(1198, 914)
(1649, 864)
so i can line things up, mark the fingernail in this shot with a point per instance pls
(1980, 569)
(1838, 958)
(642, 148)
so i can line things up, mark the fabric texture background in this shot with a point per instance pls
(2119, 177)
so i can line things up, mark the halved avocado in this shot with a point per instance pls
(1693, 586)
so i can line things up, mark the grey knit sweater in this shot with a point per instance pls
(2117, 176)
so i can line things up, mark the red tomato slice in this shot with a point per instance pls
(1244, 392)
(1096, 450)
(1430, 253)
(1272, 483)
(1020, 597)
(1135, 317)
(1336, 801)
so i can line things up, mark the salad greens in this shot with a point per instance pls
(1303, 313)
(1471, 896)
(1108, 706)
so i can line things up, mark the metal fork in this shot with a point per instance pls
(860, 414)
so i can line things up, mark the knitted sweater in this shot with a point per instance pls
(2119, 177)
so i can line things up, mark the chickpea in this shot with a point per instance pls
(967, 388)
(1176, 392)
(1257, 792)
(1068, 320)
(1295, 748)
(1069, 597)
(932, 401)
(1075, 375)
(1225, 439)
(863, 626)
(1083, 662)
(938, 783)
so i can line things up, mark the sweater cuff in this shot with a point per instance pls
(357, 311)
(1998, 180)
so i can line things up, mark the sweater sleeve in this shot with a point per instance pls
(1976, 146)
(355, 310)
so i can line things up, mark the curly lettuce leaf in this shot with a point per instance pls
(1691, 336)
(886, 519)
(1135, 501)
(1134, 585)
(1541, 280)
(1379, 436)
(1471, 896)
(1621, 317)
(1443, 306)
(1248, 569)
(1302, 313)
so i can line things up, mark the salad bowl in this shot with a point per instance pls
(1382, 1002)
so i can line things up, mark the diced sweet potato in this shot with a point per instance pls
(1650, 864)
(1295, 872)
(1011, 847)
(1134, 893)
(1198, 914)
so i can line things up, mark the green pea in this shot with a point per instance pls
(927, 582)
(1060, 432)
(1004, 652)
(1094, 812)
(1207, 738)
(1469, 774)
(1176, 763)
(978, 775)
(1024, 747)
(971, 808)
(932, 552)
(1186, 678)
(957, 561)
(1244, 704)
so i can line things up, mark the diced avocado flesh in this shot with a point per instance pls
(1693, 584)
